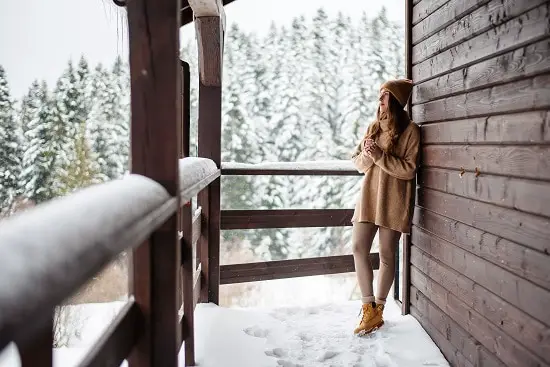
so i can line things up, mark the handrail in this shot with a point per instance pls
(303, 168)
(48, 252)
(195, 174)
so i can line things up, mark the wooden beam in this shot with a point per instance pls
(405, 279)
(156, 130)
(209, 137)
(281, 269)
(206, 8)
(210, 48)
(285, 218)
(117, 341)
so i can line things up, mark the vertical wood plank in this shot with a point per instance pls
(209, 147)
(203, 199)
(155, 130)
(406, 283)
(38, 352)
(210, 43)
(188, 323)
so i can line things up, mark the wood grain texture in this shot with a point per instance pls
(285, 218)
(210, 47)
(531, 161)
(424, 8)
(517, 291)
(531, 231)
(187, 333)
(281, 269)
(497, 341)
(527, 28)
(209, 146)
(443, 16)
(527, 94)
(449, 351)
(516, 258)
(480, 20)
(206, 8)
(520, 63)
(156, 131)
(513, 129)
(465, 345)
(494, 347)
(515, 193)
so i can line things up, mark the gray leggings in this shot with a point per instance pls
(362, 237)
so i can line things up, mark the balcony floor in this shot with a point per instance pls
(308, 337)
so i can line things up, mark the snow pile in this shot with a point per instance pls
(309, 337)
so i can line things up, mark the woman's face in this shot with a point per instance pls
(384, 100)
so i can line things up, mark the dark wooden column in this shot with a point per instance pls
(210, 45)
(155, 131)
(39, 351)
(405, 280)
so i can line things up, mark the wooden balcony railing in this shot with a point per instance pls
(288, 218)
(48, 252)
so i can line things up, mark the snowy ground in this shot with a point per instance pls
(316, 336)
(310, 337)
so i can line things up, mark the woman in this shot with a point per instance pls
(387, 156)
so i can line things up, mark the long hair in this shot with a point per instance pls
(398, 122)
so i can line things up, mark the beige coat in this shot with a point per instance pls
(387, 192)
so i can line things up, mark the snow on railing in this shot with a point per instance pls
(195, 174)
(48, 252)
(321, 168)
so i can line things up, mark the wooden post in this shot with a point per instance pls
(406, 283)
(38, 352)
(156, 122)
(188, 328)
(396, 273)
(210, 44)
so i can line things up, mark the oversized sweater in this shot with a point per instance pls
(387, 191)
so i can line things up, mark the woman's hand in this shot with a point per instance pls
(367, 144)
(372, 150)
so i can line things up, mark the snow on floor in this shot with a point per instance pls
(315, 336)
(310, 337)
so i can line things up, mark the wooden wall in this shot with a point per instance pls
(480, 263)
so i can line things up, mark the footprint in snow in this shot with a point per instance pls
(327, 355)
(304, 337)
(257, 331)
(284, 363)
(276, 352)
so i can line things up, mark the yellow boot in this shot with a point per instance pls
(371, 319)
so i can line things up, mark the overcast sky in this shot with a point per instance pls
(37, 37)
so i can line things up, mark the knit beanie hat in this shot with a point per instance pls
(400, 88)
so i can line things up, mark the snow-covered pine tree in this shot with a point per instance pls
(39, 158)
(82, 170)
(238, 143)
(10, 149)
(102, 127)
(120, 95)
(70, 112)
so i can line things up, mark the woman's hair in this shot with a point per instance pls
(398, 122)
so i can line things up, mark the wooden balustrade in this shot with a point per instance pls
(48, 252)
